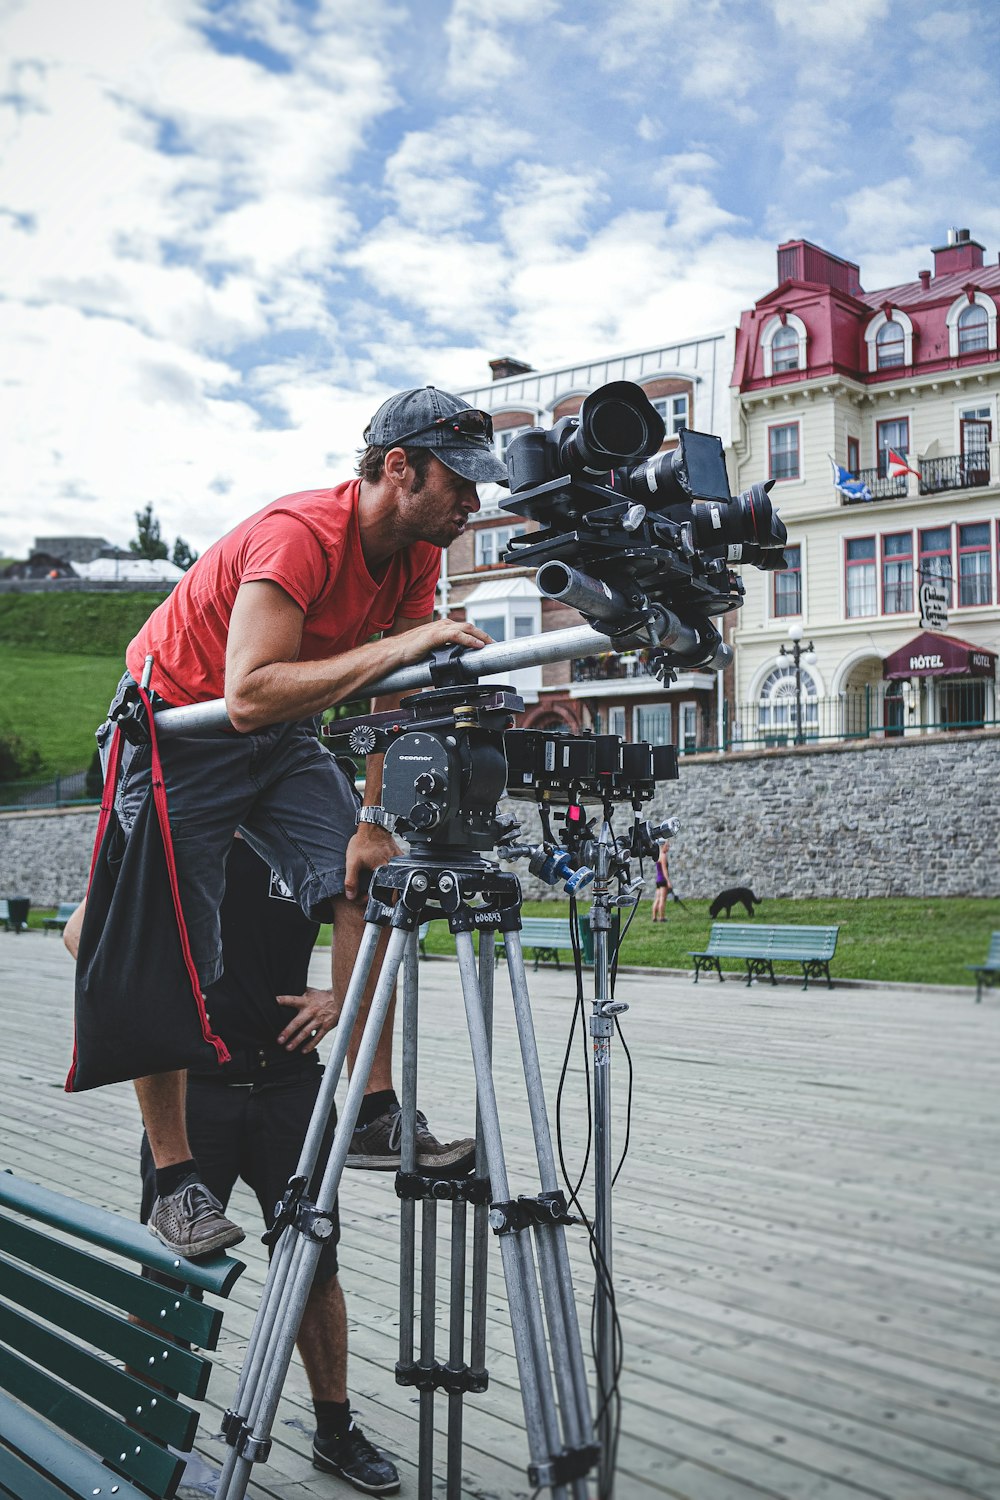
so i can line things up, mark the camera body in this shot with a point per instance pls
(642, 543)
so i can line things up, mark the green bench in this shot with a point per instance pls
(89, 1401)
(763, 946)
(62, 916)
(988, 973)
(546, 936)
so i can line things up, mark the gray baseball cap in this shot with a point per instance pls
(460, 435)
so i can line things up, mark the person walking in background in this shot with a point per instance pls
(662, 884)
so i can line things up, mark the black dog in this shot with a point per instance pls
(729, 899)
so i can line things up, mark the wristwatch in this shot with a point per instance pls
(376, 815)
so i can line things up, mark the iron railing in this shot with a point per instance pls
(610, 669)
(44, 792)
(880, 486)
(962, 471)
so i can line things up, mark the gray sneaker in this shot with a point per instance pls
(191, 1221)
(375, 1147)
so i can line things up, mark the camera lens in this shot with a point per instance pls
(618, 424)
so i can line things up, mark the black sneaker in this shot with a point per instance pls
(375, 1147)
(191, 1221)
(354, 1458)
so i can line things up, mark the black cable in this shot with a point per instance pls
(610, 1400)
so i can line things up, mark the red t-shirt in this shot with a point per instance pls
(308, 543)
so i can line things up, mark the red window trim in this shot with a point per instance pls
(959, 549)
(899, 557)
(790, 614)
(868, 536)
(773, 427)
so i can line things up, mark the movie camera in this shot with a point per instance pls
(642, 543)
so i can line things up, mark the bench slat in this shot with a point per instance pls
(185, 1318)
(216, 1273)
(25, 1482)
(144, 1351)
(137, 1456)
(154, 1411)
(73, 1467)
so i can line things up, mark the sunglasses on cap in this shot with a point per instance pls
(469, 423)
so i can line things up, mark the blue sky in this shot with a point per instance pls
(229, 228)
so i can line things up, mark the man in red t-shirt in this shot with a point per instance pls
(278, 617)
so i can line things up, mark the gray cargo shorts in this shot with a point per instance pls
(288, 796)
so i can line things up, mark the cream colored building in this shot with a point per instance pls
(826, 373)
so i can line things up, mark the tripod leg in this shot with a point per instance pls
(480, 1216)
(407, 1155)
(540, 1415)
(272, 1360)
(550, 1239)
(280, 1266)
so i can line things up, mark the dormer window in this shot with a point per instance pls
(783, 342)
(785, 350)
(973, 329)
(890, 344)
(972, 323)
(889, 337)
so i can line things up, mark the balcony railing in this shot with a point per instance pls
(880, 485)
(960, 472)
(610, 669)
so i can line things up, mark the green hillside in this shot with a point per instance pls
(60, 658)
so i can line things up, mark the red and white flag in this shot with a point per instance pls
(896, 467)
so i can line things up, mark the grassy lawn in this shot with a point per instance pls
(56, 702)
(906, 940)
(899, 939)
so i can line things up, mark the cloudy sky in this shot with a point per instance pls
(229, 228)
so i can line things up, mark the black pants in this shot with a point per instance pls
(252, 1131)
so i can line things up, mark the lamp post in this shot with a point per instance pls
(798, 654)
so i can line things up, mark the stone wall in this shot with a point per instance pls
(911, 817)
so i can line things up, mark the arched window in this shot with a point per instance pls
(783, 342)
(972, 324)
(973, 329)
(890, 345)
(776, 705)
(785, 349)
(889, 337)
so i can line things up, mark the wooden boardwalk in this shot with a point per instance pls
(806, 1256)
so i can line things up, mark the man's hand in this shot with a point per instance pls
(416, 643)
(316, 1013)
(370, 847)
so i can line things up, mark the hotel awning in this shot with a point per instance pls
(930, 655)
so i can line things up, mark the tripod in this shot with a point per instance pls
(437, 883)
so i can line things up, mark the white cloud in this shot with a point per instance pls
(845, 22)
(483, 44)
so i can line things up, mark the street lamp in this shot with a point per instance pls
(798, 654)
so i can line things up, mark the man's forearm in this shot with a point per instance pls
(280, 691)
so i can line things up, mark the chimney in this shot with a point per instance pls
(798, 260)
(504, 368)
(961, 253)
(925, 280)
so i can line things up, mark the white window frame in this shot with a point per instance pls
(767, 338)
(618, 721)
(871, 335)
(499, 536)
(954, 313)
(526, 680)
(664, 405)
(687, 715)
(639, 713)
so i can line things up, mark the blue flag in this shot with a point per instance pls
(854, 489)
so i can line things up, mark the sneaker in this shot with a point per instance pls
(191, 1222)
(376, 1147)
(354, 1458)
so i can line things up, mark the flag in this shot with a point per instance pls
(896, 467)
(854, 489)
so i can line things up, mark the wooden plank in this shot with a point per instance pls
(799, 1168)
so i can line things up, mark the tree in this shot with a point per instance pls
(17, 760)
(148, 541)
(182, 556)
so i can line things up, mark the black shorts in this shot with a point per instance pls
(254, 1132)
